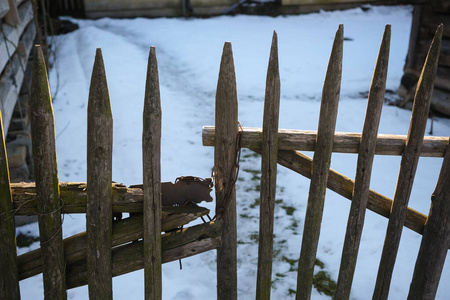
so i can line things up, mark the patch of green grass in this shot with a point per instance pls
(289, 209)
(324, 284)
(255, 203)
(292, 263)
(254, 236)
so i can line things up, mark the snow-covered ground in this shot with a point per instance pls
(189, 52)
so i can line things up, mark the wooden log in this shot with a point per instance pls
(226, 119)
(344, 142)
(435, 240)
(175, 245)
(151, 149)
(124, 231)
(408, 168)
(9, 277)
(366, 155)
(268, 174)
(46, 174)
(99, 178)
(321, 165)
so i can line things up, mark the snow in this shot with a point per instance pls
(189, 52)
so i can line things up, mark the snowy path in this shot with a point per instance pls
(189, 54)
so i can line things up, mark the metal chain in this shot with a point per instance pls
(233, 176)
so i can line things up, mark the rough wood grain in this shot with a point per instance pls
(321, 165)
(47, 185)
(436, 240)
(124, 231)
(99, 177)
(224, 158)
(268, 174)
(151, 154)
(9, 277)
(366, 155)
(344, 142)
(408, 168)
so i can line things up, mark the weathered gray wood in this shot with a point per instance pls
(74, 197)
(435, 241)
(99, 177)
(128, 257)
(224, 160)
(124, 231)
(344, 142)
(363, 171)
(151, 153)
(268, 174)
(12, 17)
(47, 185)
(321, 165)
(408, 168)
(9, 277)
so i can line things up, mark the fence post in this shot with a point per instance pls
(435, 240)
(364, 169)
(9, 276)
(99, 178)
(47, 185)
(268, 174)
(408, 168)
(321, 166)
(151, 150)
(224, 161)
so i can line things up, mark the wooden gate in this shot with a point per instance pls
(283, 146)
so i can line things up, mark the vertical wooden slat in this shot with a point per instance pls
(224, 159)
(408, 166)
(435, 241)
(364, 169)
(151, 149)
(9, 274)
(268, 174)
(321, 165)
(47, 185)
(99, 177)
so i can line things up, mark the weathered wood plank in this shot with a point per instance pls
(151, 149)
(46, 174)
(435, 241)
(99, 178)
(12, 17)
(268, 174)
(128, 258)
(366, 155)
(74, 197)
(344, 142)
(226, 119)
(4, 8)
(408, 168)
(124, 231)
(321, 165)
(9, 277)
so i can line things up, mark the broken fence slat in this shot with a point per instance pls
(321, 165)
(268, 174)
(408, 168)
(363, 173)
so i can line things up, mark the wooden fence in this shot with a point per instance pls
(108, 247)
(283, 146)
(114, 247)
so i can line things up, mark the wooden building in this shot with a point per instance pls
(426, 18)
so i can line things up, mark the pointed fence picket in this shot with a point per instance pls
(111, 248)
(284, 147)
